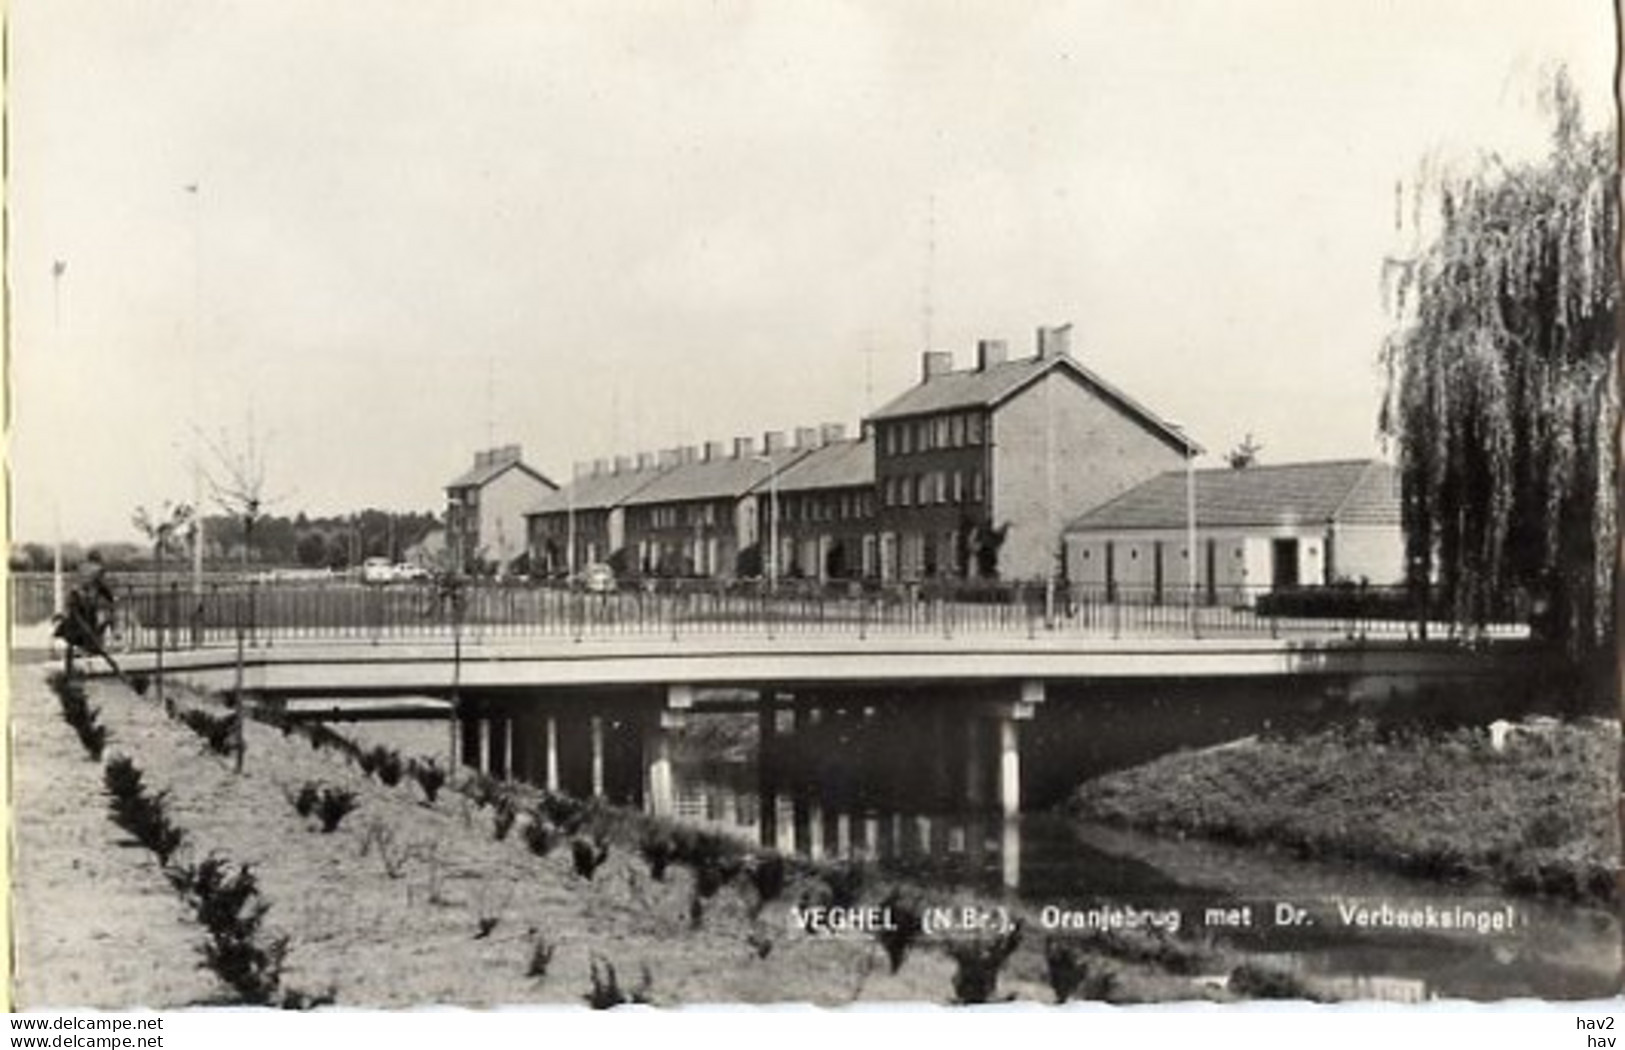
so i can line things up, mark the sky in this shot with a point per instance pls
(422, 227)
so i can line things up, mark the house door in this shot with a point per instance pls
(1212, 572)
(1111, 571)
(1156, 572)
(1284, 563)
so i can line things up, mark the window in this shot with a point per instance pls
(978, 491)
(906, 443)
(939, 432)
(939, 481)
(956, 431)
(973, 429)
(922, 436)
(959, 487)
(905, 494)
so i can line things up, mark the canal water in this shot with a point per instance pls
(1357, 932)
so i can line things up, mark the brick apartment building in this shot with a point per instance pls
(825, 509)
(969, 473)
(486, 507)
(977, 470)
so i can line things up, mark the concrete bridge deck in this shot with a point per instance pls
(356, 668)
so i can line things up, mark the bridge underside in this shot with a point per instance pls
(600, 719)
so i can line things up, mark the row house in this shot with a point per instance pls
(585, 521)
(825, 506)
(486, 507)
(699, 515)
(978, 469)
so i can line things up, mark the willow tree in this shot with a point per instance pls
(1501, 386)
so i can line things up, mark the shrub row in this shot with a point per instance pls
(78, 713)
(226, 902)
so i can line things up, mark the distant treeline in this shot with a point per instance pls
(333, 541)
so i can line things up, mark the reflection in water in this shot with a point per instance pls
(1557, 952)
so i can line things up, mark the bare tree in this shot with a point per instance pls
(236, 478)
(1245, 454)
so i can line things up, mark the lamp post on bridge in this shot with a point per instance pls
(773, 522)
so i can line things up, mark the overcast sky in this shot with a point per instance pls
(598, 227)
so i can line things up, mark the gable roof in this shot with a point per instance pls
(595, 492)
(712, 478)
(989, 388)
(485, 473)
(847, 463)
(1349, 492)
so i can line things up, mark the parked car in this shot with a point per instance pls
(409, 572)
(377, 570)
(598, 578)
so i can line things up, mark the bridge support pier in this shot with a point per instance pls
(596, 734)
(767, 726)
(1008, 716)
(550, 759)
(659, 793)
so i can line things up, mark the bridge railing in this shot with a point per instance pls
(271, 613)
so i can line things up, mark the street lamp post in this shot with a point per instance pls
(772, 522)
(570, 532)
(1190, 523)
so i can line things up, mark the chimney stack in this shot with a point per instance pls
(806, 437)
(646, 460)
(830, 433)
(1055, 342)
(600, 467)
(688, 454)
(935, 363)
(669, 457)
(580, 468)
(744, 447)
(623, 464)
(990, 353)
(773, 441)
(714, 451)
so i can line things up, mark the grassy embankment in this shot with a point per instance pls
(1536, 816)
(411, 897)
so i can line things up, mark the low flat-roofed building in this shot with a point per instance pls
(1258, 529)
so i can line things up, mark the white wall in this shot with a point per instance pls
(1242, 558)
(1375, 553)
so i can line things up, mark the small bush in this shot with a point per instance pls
(657, 850)
(565, 813)
(767, 875)
(1070, 975)
(541, 957)
(606, 992)
(144, 816)
(845, 881)
(540, 836)
(905, 928)
(79, 715)
(586, 855)
(430, 777)
(502, 819)
(219, 732)
(389, 767)
(368, 761)
(1255, 981)
(121, 777)
(304, 801)
(332, 805)
(978, 962)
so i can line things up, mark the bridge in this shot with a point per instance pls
(584, 692)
